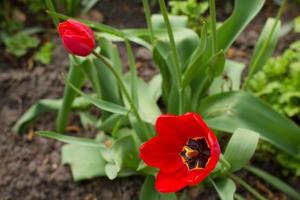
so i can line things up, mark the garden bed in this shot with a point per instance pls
(30, 166)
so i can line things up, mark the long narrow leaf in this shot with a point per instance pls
(225, 188)
(109, 123)
(88, 4)
(45, 105)
(34, 111)
(90, 71)
(238, 197)
(248, 187)
(104, 105)
(52, 9)
(155, 90)
(148, 191)
(238, 152)
(243, 13)
(71, 139)
(108, 84)
(232, 110)
(197, 64)
(148, 109)
(259, 58)
(275, 182)
(133, 75)
(209, 70)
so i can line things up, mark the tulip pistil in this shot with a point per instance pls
(196, 153)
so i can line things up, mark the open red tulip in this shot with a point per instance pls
(185, 150)
(78, 39)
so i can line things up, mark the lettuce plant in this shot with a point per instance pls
(278, 82)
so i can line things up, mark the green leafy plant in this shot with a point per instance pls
(19, 44)
(18, 39)
(278, 82)
(297, 24)
(193, 9)
(194, 77)
(44, 54)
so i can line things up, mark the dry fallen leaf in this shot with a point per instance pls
(73, 128)
(30, 134)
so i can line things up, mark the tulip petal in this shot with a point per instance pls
(194, 124)
(160, 155)
(171, 182)
(80, 26)
(76, 45)
(181, 128)
(195, 176)
(170, 128)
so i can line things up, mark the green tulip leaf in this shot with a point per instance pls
(264, 47)
(125, 153)
(111, 171)
(71, 139)
(225, 188)
(46, 105)
(275, 182)
(148, 191)
(232, 110)
(101, 104)
(176, 21)
(230, 80)
(241, 148)
(85, 162)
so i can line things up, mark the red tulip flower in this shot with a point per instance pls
(185, 150)
(78, 39)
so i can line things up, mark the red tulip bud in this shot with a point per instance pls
(78, 39)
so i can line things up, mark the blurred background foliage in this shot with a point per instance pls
(193, 9)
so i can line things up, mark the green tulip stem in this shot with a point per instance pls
(76, 77)
(224, 162)
(212, 10)
(127, 96)
(175, 56)
(148, 19)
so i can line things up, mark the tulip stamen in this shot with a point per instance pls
(196, 153)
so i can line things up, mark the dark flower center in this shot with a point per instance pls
(196, 153)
